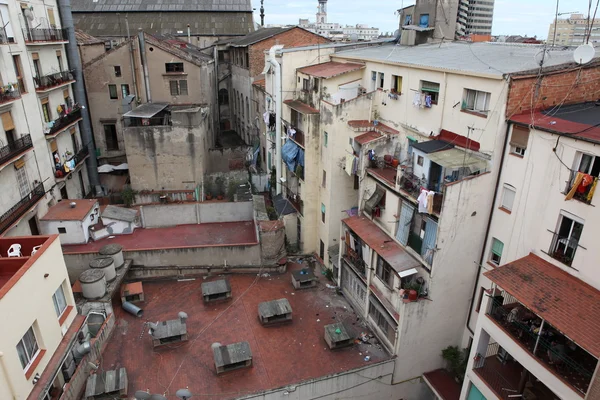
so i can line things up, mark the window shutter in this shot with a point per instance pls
(35, 56)
(520, 137)
(406, 216)
(7, 121)
(183, 89)
(51, 18)
(497, 247)
(44, 100)
(58, 53)
(53, 146)
(20, 163)
(73, 130)
(174, 89)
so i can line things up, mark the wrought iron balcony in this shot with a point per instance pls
(356, 261)
(563, 248)
(9, 93)
(16, 212)
(61, 173)
(36, 35)
(4, 38)
(15, 148)
(61, 123)
(296, 201)
(50, 81)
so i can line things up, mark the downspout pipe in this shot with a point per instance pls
(131, 59)
(487, 230)
(64, 9)
(142, 40)
(278, 109)
(11, 388)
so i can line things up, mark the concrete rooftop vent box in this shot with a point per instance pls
(214, 291)
(338, 336)
(169, 332)
(274, 312)
(93, 283)
(115, 251)
(231, 357)
(105, 264)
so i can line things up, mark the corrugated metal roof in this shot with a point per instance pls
(432, 146)
(272, 308)
(478, 58)
(97, 6)
(455, 159)
(147, 110)
(301, 107)
(330, 69)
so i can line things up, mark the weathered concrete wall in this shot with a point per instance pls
(272, 241)
(154, 216)
(227, 159)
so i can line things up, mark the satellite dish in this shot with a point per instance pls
(157, 397)
(141, 395)
(183, 394)
(354, 37)
(584, 53)
(28, 14)
(397, 34)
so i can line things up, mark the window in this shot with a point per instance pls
(584, 175)
(124, 91)
(508, 197)
(247, 60)
(305, 85)
(27, 348)
(325, 138)
(178, 88)
(110, 137)
(19, 73)
(51, 18)
(321, 249)
(382, 320)
(60, 303)
(46, 110)
(59, 60)
(424, 20)
(112, 92)
(315, 85)
(324, 183)
(322, 212)
(173, 67)
(384, 272)
(420, 160)
(60, 228)
(23, 181)
(518, 140)
(566, 239)
(476, 101)
(431, 89)
(117, 71)
(381, 80)
(396, 84)
(496, 255)
(37, 69)
(67, 98)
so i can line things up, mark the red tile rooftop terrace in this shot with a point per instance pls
(282, 355)
(181, 236)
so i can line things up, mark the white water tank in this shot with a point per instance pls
(93, 283)
(115, 251)
(107, 265)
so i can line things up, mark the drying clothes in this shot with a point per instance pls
(349, 164)
(428, 101)
(585, 183)
(266, 118)
(576, 182)
(291, 132)
(422, 101)
(592, 189)
(355, 166)
(417, 99)
(271, 121)
(371, 154)
(422, 200)
(430, 202)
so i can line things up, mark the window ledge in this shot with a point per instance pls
(64, 315)
(492, 264)
(175, 74)
(516, 155)
(475, 113)
(36, 361)
(506, 210)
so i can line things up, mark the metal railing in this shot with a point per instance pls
(544, 348)
(45, 35)
(296, 201)
(65, 121)
(15, 148)
(356, 261)
(52, 80)
(4, 38)
(9, 93)
(21, 207)
(563, 249)
(494, 378)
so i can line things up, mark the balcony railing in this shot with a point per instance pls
(45, 35)
(296, 201)
(62, 171)
(564, 358)
(563, 249)
(52, 80)
(356, 261)
(4, 38)
(9, 93)
(15, 148)
(15, 212)
(298, 137)
(412, 185)
(64, 121)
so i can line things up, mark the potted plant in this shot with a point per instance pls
(220, 187)
(456, 360)
(128, 195)
(208, 188)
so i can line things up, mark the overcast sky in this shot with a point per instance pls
(516, 17)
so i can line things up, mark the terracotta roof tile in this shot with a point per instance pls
(367, 137)
(330, 69)
(565, 302)
(63, 211)
(301, 107)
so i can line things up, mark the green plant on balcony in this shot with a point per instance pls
(128, 195)
(456, 360)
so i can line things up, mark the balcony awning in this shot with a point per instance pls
(454, 159)
(374, 200)
(565, 302)
(382, 244)
(147, 110)
(301, 107)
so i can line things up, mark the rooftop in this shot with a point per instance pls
(123, 6)
(146, 110)
(363, 124)
(382, 244)
(85, 39)
(581, 121)
(282, 355)
(367, 137)
(301, 107)
(330, 69)
(120, 213)
(256, 36)
(179, 48)
(565, 302)
(443, 383)
(432, 146)
(62, 211)
(486, 58)
(181, 236)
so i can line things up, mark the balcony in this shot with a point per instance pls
(18, 210)
(296, 201)
(38, 36)
(355, 260)
(63, 171)
(12, 150)
(553, 350)
(563, 248)
(580, 187)
(4, 38)
(9, 93)
(52, 81)
(298, 136)
(66, 121)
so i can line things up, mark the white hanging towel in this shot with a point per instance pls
(266, 117)
(349, 163)
(417, 99)
(422, 199)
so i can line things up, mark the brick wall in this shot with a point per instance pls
(295, 37)
(569, 87)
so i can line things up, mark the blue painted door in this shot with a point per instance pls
(475, 394)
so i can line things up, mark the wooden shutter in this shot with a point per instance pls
(519, 137)
(51, 18)
(20, 163)
(53, 146)
(7, 121)
(35, 56)
(73, 130)
(44, 100)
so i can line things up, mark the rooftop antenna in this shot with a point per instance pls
(262, 13)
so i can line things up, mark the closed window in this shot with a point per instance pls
(324, 183)
(117, 71)
(496, 254)
(60, 303)
(173, 67)
(112, 92)
(566, 239)
(23, 182)
(518, 140)
(508, 197)
(124, 91)
(305, 85)
(46, 112)
(178, 88)
(420, 160)
(384, 272)
(325, 138)
(27, 348)
(431, 89)
(476, 101)
(110, 137)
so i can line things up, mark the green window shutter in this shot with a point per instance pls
(497, 247)
(430, 87)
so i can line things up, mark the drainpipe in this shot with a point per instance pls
(135, 87)
(145, 65)
(278, 106)
(217, 117)
(64, 9)
(11, 389)
(189, 35)
(487, 230)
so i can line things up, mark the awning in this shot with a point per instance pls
(147, 110)
(417, 28)
(374, 200)
(454, 159)
(408, 272)
(301, 107)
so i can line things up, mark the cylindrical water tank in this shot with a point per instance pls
(116, 252)
(107, 265)
(93, 283)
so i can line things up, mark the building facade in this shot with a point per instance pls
(42, 149)
(573, 31)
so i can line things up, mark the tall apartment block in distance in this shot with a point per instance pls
(573, 31)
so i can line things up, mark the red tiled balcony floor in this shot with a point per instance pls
(282, 355)
(181, 236)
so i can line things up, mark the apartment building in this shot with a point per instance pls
(41, 146)
(573, 31)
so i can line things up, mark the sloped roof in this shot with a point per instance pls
(330, 69)
(85, 39)
(120, 213)
(257, 36)
(97, 6)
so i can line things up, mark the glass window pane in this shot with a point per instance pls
(59, 301)
(22, 354)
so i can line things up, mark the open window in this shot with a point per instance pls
(431, 89)
(584, 177)
(565, 240)
(396, 84)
